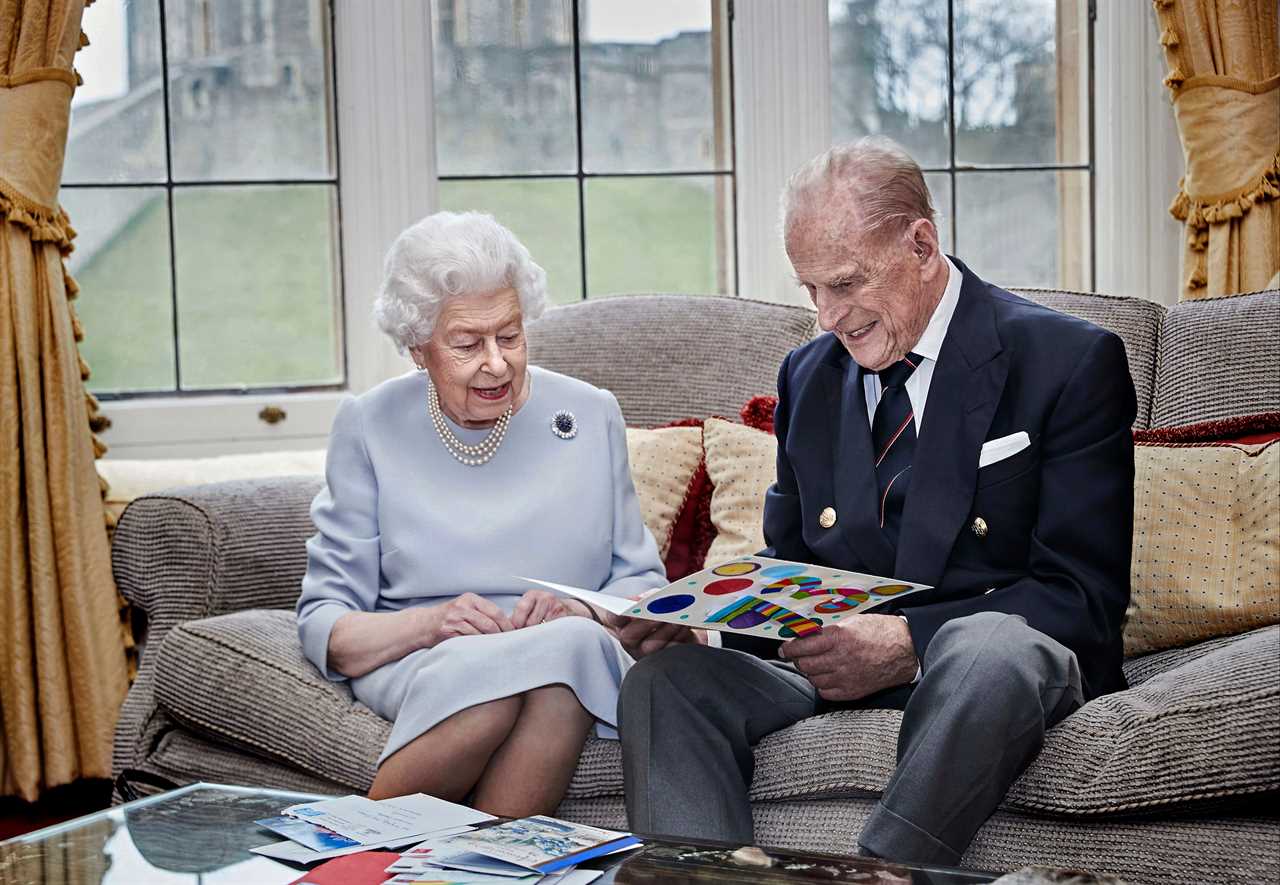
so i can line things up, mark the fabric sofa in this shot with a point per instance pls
(1173, 780)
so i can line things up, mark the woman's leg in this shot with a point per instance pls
(530, 772)
(447, 760)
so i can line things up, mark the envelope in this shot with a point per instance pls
(996, 450)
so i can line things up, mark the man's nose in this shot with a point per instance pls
(830, 309)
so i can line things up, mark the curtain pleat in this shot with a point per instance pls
(62, 659)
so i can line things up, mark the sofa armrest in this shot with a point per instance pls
(198, 551)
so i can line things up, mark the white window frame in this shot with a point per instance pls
(386, 181)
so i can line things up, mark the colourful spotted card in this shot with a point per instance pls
(758, 596)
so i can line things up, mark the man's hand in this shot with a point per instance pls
(642, 637)
(465, 615)
(855, 658)
(537, 606)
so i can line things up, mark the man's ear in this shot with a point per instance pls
(923, 237)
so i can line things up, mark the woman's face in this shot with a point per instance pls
(476, 357)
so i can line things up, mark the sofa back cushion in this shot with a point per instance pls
(667, 357)
(1218, 359)
(1135, 320)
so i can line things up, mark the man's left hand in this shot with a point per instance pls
(855, 658)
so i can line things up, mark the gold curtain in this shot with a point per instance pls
(62, 662)
(1224, 73)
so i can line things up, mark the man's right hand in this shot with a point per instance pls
(641, 637)
(465, 615)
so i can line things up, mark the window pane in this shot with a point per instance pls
(504, 86)
(1020, 81)
(1047, 241)
(121, 262)
(654, 87)
(659, 235)
(249, 85)
(257, 285)
(889, 74)
(117, 116)
(939, 184)
(542, 213)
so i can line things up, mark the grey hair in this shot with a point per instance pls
(445, 255)
(883, 185)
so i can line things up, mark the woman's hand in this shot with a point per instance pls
(537, 606)
(466, 615)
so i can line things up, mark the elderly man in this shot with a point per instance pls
(943, 431)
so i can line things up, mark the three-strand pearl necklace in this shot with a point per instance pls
(472, 456)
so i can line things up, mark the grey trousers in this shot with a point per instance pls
(990, 688)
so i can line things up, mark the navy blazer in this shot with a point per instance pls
(1059, 513)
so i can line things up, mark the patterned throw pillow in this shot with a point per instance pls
(741, 462)
(1206, 543)
(663, 463)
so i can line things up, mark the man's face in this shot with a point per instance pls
(869, 290)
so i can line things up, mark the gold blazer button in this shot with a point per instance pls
(827, 518)
(979, 527)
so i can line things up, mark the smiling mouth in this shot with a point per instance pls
(859, 334)
(492, 393)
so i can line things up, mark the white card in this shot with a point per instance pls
(615, 604)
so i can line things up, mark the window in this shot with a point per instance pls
(599, 131)
(202, 177)
(993, 99)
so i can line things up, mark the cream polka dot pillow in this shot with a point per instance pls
(663, 462)
(1206, 543)
(741, 462)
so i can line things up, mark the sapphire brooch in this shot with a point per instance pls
(564, 425)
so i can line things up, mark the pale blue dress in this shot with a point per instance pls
(401, 523)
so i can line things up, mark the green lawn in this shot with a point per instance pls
(255, 273)
(643, 234)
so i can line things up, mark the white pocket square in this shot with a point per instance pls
(1004, 447)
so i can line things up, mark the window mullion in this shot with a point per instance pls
(168, 191)
(577, 122)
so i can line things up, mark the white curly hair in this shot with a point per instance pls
(445, 255)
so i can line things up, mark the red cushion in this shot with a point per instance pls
(758, 412)
(1249, 429)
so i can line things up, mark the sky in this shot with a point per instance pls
(649, 21)
(102, 62)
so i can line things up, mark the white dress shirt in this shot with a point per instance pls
(928, 347)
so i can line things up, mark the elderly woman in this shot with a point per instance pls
(442, 487)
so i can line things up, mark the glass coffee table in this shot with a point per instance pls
(202, 833)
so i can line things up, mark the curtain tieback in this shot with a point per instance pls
(33, 141)
(1229, 138)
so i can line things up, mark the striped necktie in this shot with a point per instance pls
(893, 440)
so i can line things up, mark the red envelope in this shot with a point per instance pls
(365, 868)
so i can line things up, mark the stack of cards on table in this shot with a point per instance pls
(447, 847)
(531, 849)
(336, 827)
